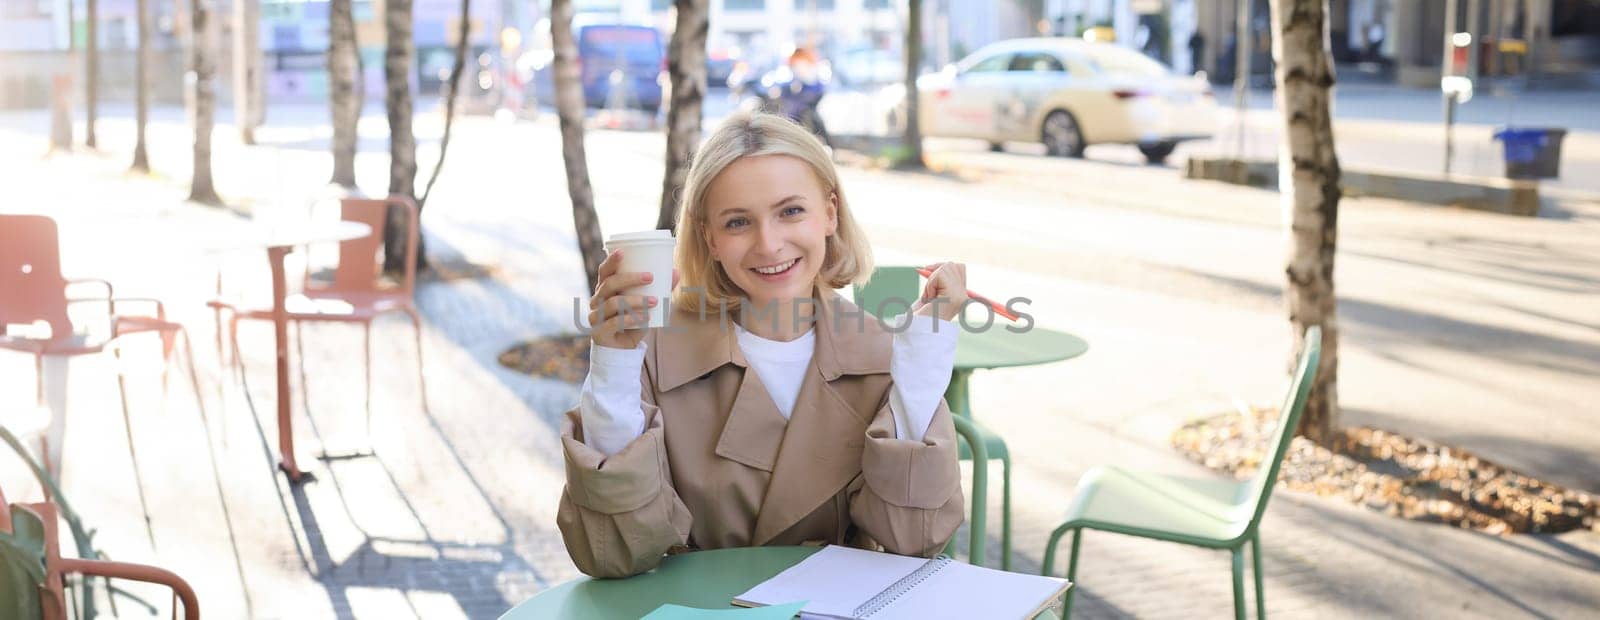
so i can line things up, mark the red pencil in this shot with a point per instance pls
(998, 309)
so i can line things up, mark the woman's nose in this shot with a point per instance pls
(769, 239)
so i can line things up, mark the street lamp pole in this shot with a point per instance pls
(1241, 73)
(1449, 93)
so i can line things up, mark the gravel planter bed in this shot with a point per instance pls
(1394, 474)
(564, 358)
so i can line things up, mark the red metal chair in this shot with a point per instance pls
(35, 291)
(41, 519)
(358, 292)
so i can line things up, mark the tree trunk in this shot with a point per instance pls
(911, 140)
(202, 49)
(569, 107)
(451, 89)
(399, 50)
(247, 68)
(61, 91)
(342, 97)
(1308, 175)
(141, 87)
(91, 71)
(686, 64)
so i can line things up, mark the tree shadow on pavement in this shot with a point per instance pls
(1541, 265)
(369, 567)
(446, 571)
(1574, 468)
(1380, 325)
(1420, 555)
(1561, 551)
(450, 568)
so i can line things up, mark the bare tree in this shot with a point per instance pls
(91, 71)
(1308, 172)
(569, 107)
(60, 95)
(398, 52)
(202, 49)
(141, 87)
(451, 89)
(247, 68)
(911, 140)
(686, 64)
(343, 97)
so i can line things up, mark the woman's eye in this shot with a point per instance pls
(737, 222)
(795, 210)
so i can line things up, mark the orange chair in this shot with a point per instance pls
(40, 519)
(35, 291)
(358, 292)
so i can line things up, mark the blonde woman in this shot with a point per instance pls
(769, 411)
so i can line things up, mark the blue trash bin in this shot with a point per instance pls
(1531, 152)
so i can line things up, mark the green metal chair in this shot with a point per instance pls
(1210, 513)
(977, 443)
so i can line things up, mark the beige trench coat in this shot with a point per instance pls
(718, 466)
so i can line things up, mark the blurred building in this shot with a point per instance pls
(763, 32)
(39, 39)
(1548, 42)
(35, 37)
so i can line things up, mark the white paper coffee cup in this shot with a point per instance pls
(648, 251)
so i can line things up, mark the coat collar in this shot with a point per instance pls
(818, 450)
(848, 343)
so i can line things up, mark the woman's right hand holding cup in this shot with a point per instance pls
(616, 318)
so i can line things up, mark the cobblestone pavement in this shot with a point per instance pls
(1173, 283)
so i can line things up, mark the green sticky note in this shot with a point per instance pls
(770, 612)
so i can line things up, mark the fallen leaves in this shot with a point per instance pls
(1398, 475)
(564, 358)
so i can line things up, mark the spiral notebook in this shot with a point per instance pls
(855, 584)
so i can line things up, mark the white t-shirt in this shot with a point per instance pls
(923, 357)
(781, 365)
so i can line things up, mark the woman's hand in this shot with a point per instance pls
(945, 293)
(617, 320)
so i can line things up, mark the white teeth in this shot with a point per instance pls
(776, 269)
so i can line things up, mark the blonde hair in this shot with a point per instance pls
(848, 257)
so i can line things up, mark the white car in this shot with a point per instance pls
(1066, 94)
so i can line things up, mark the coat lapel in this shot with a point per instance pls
(817, 451)
(755, 428)
(821, 448)
(691, 347)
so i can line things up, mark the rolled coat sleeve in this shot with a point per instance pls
(619, 513)
(911, 502)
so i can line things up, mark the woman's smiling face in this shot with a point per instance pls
(768, 222)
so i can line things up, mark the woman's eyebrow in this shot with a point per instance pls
(785, 199)
(740, 210)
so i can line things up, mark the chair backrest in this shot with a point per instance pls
(19, 591)
(36, 527)
(1294, 403)
(33, 526)
(360, 260)
(890, 289)
(30, 274)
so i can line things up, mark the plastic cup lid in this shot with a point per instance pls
(643, 235)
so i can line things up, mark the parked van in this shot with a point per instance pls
(635, 53)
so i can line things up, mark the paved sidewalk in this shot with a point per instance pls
(455, 517)
(1395, 128)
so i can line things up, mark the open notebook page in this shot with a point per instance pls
(965, 591)
(835, 580)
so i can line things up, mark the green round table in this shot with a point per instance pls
(999, 347)
(996, 347)
(703, 579)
